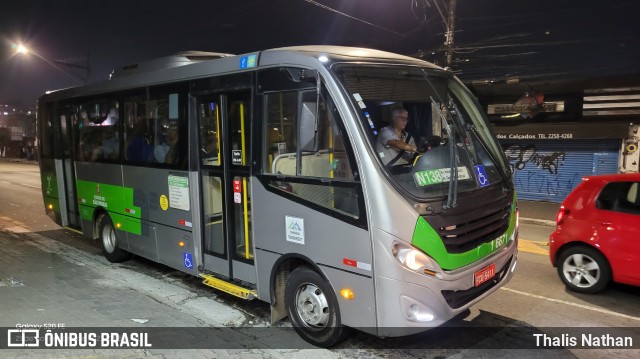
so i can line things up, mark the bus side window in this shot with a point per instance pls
(281, 131)
(137, 148)
(154, 127)
(296, 148)
(96, 130)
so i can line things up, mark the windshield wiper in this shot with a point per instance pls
(452, 196)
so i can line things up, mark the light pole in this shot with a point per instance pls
(23, 50)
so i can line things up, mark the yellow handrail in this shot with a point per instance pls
(245, 204)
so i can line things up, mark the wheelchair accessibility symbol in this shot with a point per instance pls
(481, 176)
(188, 260)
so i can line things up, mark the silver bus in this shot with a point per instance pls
(263, 173)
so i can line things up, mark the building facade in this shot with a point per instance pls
(556, 133)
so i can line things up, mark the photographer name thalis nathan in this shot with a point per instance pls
(584, 340)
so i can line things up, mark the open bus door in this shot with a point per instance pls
(224, 130)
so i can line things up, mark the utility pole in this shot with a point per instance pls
(448, 40)
(449, 25)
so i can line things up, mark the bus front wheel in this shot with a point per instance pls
(313, 308)
(109, 241)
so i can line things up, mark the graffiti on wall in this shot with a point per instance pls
(538, 172)
(521, 155)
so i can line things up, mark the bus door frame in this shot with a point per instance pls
(65, 144)
(227, 264)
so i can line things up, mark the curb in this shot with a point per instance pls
(543, 222)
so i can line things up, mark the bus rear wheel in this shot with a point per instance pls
(313, 308)
(109, 241)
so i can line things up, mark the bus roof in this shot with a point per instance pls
(195, 64)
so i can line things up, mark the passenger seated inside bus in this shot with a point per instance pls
(138, 148)
(173, 139)
(110, 144)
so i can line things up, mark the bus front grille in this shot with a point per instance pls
(466, 235)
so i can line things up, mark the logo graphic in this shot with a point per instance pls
(188, 260)
(481, 176)
(295, 226)
(164, 202)
(294, 230)
(23, 338)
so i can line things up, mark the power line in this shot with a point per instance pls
(322, 6)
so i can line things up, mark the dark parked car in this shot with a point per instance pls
(597, 238)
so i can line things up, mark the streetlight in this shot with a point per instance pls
(23, 50)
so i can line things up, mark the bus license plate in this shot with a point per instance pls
(484, 274)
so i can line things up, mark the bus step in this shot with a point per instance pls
(73, 230)
(227, 287)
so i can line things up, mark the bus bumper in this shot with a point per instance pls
(412, 308)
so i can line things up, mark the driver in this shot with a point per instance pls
(394, 145)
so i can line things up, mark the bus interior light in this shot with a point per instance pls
(347, 294)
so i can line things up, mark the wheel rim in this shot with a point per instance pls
(312, 306)
(581, 270)
(109, 239)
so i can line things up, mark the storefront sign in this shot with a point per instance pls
(536, 136)
(527, 106)
(565, 131)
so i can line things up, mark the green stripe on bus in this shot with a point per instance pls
(428, 240)
(117, 200)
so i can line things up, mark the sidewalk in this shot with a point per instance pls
(538, 212)
(19, 160)
(46, 283)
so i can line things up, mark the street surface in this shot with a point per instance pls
(52, 275)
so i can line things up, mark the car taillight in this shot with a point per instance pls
(562, 214)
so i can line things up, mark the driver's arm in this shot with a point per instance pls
(403, 146)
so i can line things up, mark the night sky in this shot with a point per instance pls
(495, 39)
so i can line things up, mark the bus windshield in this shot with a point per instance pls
(428, 130)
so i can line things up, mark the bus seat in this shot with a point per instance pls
(284, 164)
(313, 164)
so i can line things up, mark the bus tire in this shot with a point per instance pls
(313, 308)
(109, 241)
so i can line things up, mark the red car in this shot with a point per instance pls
(597, 236)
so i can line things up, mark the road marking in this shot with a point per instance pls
(582, 306)
(22, 184)
(28, 185)
(17, 229)
(532, 247)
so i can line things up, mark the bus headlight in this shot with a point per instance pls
(412, 258)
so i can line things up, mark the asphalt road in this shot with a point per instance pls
(534, 299)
